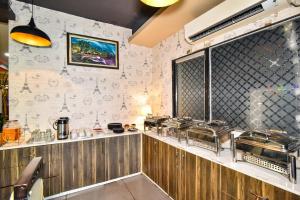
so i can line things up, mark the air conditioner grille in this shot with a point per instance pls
(234, 19)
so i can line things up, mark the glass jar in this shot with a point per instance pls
(11, 130)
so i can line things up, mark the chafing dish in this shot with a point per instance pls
(209, 135)
(155, 121)
(176, 127)
(271, 149)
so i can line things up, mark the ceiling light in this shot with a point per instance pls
(159, 3)
(6, 54)
(30, 34)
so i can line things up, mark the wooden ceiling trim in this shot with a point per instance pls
(170, 20)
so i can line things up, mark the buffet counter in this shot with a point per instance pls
(225, 159)
(72, 164)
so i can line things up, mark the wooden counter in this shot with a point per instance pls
(188, 176)
(75, 164)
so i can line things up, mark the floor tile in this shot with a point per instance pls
(134, 188)
(143, 189)
(115, 190)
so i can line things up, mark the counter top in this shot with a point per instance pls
(225, 159)
(105, 134)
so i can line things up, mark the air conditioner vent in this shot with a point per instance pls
(232, 20)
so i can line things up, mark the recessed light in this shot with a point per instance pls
(6, 54)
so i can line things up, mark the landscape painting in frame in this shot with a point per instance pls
(92, 52)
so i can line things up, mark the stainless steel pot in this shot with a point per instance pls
(62, 127)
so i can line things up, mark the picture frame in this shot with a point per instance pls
(92, 52)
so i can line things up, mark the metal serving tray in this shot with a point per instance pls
(176, 127)
(270, 149)
(209, 135)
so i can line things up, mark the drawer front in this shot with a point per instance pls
(15, 157)
(235, 185)
(52, 186)
(272, 192)
(9, 176)
(22, 156)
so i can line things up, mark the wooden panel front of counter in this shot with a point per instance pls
(185, 176)
(73, 165)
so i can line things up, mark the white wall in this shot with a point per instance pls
(146, 69)
(43, 66)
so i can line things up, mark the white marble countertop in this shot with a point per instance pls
(225, 159)
(105, 134)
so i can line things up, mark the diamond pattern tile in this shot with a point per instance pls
(254, 79)
(191, 88)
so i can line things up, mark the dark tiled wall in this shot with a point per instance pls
(254, 79)
(191, 88)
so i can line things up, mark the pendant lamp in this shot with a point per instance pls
(30, 34)
(159, 3)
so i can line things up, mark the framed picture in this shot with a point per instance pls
(92, 52)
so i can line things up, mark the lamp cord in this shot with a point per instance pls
(32, 8)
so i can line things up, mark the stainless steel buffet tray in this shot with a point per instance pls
(271, 149)
(176, 127)
(209, 135)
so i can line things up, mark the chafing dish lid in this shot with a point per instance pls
(155, 119)
(215, 123)
(212, 128)
(202, 130)
(271, 140)
(178, 122)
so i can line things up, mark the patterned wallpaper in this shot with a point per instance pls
(43, 87)
(175, 46)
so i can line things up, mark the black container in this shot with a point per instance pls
(111, 126)
(118, 130)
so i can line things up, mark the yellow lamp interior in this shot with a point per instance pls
(159, 3)
(30, 39)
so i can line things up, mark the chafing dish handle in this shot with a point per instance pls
(187, 138)
(231, 141)
(218, 143)
(233, 147)
(177, 135)
(292, 169)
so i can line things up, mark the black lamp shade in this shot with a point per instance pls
(30, 35)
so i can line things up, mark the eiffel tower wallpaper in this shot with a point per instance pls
(65, 106)
(25, 87)
(150, 99)
(26, 126)
(97, 89)
(64, 70)
(123, 107)
(97, 123)
(59, 81)
(123, 75)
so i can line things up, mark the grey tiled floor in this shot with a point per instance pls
(134, 188)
